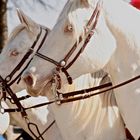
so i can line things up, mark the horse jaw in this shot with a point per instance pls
(27, 22)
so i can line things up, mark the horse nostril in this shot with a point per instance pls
(28, 79)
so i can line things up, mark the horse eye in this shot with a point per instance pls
(14, 53)
(68, 28)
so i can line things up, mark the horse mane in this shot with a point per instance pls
(16, 30)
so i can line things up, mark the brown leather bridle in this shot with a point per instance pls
(63, 66)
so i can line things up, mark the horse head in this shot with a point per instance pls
(16, 54)
(79, 22)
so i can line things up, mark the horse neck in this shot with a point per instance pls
(123, 21)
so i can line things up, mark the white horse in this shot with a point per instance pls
(97, 117)
(115, 46)
(42, 117)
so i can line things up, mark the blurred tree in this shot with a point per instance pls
(3, 23)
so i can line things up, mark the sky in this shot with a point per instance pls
(1, 138)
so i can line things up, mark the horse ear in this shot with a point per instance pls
(27, 21)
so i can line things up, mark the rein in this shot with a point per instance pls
(6, 89)
(82, 94)
(63, 97)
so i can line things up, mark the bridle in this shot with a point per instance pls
(63, 66)
(60, 66)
